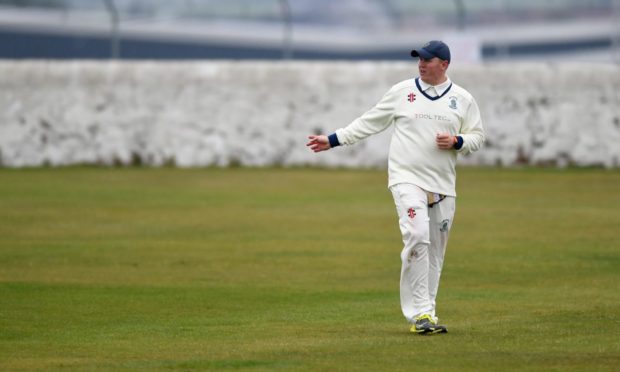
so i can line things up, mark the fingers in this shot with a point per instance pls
(317, 146)
(313, 140)
(313, 143)
(318, 143)
(444, 141)
(444, 145)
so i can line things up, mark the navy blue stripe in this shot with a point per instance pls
(459, 143)
(417, 83)
(333, 140)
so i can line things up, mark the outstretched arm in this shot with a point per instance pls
(318, 143)
(373, 121)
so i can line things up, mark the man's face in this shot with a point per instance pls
(433, 71)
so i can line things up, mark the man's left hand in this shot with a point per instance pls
(445, 141)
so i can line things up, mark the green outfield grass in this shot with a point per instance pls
(254, 269)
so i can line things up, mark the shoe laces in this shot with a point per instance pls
(425, 316)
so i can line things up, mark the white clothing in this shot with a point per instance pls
(418, 166)
(417, 118)
(425, 234)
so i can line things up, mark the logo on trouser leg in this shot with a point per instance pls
(445, 224)
(411, 212)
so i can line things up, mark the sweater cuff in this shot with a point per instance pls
(459, 143)
(333, 140)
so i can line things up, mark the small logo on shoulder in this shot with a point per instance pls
(452, 104)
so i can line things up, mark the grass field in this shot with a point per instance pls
(255, 269)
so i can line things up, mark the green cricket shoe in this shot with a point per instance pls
(425, 325)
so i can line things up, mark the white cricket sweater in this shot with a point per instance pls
(417, 118)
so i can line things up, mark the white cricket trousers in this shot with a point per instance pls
(425, 233)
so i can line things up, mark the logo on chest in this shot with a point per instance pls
(452, 100)
(411, 97)
(434, 117)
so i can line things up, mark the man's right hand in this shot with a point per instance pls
(318, 143)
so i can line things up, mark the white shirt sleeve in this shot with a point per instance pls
(471, 131)
(373, 121)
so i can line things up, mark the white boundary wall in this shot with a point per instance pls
(259, 113)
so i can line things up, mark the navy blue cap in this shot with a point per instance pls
(434, 48)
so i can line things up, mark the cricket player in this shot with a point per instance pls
(434, 120)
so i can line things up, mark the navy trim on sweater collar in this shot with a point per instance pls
(417, 83)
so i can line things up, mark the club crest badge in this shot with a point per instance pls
(452, 104)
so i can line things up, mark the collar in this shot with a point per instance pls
(441, 89)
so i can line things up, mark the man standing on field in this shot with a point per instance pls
(434, 120)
